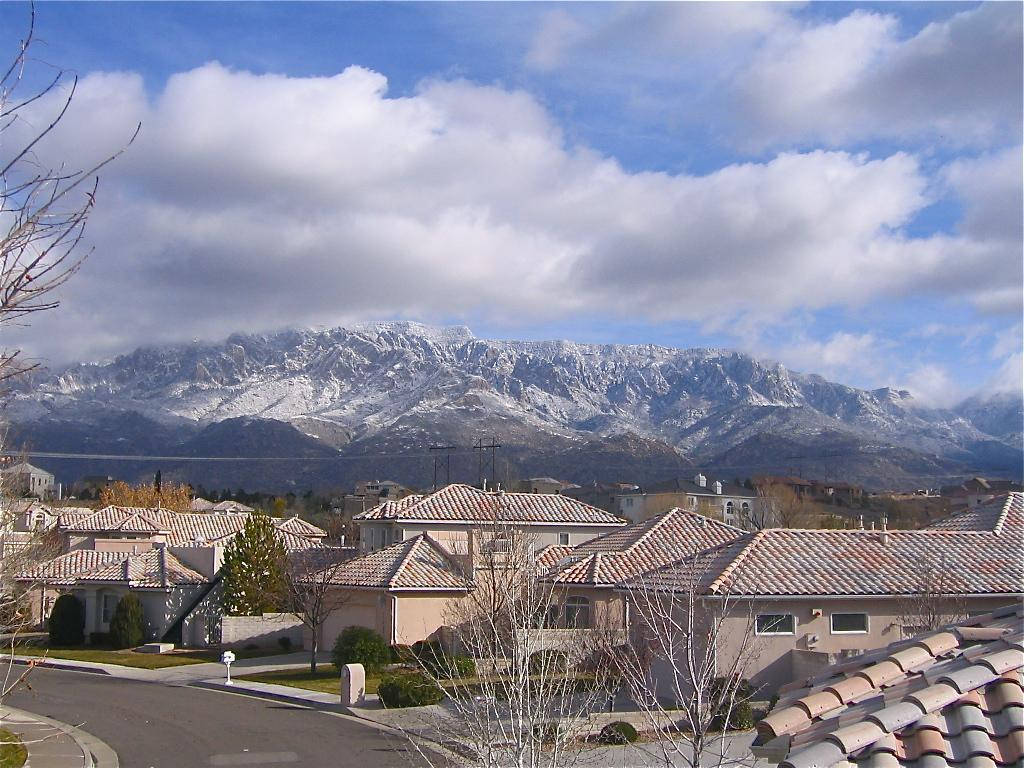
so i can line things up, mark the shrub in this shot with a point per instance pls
(742, 715)
(547, 733)
(402, 654)
(619, 732)
(67, 621)
(549, 662)
(408, 690)
(99, 638)
(359, 645)
(127, 627)
(285, 642)
(439, 663)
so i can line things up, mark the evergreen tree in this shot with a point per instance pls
(253, 569)
(127, 626)
(67, 621)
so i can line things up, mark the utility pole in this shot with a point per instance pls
(480, 446)
(447, 462)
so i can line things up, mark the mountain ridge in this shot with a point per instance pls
(404, 385)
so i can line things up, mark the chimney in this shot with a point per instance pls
(701, 481)
(718, 487)
(885, 530)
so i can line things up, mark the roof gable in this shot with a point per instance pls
(418, 563)
(154, 568)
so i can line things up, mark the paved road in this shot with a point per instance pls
(158, 726)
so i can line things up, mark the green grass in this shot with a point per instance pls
(326, 680)
(12, 752)
(129, 658)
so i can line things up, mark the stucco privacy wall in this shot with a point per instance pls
(265, 631)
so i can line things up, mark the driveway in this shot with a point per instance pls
(160, 726)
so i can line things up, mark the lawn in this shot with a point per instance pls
(12, 752)
(129, 658)
(326, 680)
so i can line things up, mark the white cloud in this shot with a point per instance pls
(957, 81)
(933, 386)
(256, 201)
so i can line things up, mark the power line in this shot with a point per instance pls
(139, 457)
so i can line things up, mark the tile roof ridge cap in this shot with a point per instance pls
(733, 564)
(1003, 513)
(436, 546)
(655, 524)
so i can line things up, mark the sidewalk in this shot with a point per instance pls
(52, 744)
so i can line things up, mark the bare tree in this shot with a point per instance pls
(536, 683)
(43, 207)
(779, 506)
(311, 592)
(685, 667)
(936, 600)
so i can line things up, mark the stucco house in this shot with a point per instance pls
(28, 480)
(733, 504)
(811, 597)
(588, 573)
(950, 697)
(452, 514)
(171, 560)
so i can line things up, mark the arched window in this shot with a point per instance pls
(746, 509)
(728, 509)
(577, 613)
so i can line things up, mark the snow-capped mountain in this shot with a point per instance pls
(401, 386)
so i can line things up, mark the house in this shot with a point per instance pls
(731, 503)
(952, 697)
(199, 504)
(230, 506)
(978, 490)
(542, 485)
(588, 573)
(809, 597)
(600, 495)
(455, 513)
(171, 560)
(799, 486)
(404, 591)
(28, 480)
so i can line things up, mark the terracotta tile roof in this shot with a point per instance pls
(948, 698)
(644, 546)
(183, 529)
(1002, 513)
(552, 555)
(418, 563)
(463, 503)
(780, 561)
(152, 568)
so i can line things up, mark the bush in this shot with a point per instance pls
(359, 645)
(99, 639)
(619, 732)
(549, 662)
(402, 654)
(742, 715)
(67, 621)
(432, 656)
(547, 733)
(408, 690)
(128, 625)
(285, 643)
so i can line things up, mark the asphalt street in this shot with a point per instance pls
(158, 726)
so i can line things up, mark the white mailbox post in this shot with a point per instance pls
(227, 657)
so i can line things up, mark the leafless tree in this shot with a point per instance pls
(311, 592)
(936, 599)
(779, 506)
(43, 207)
(685, 667)
(536, 684)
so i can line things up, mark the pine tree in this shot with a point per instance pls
(253, 569)
(127, 626)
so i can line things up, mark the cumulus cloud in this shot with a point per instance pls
(255, 201)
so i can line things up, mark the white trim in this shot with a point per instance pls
(867, 623)
(759, 633)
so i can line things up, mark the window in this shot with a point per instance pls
(849, 623)
(629, 502)
(776, 624)
(109, 606)
(577, 613)
(563, 539)
(745, 508)
(729, 509)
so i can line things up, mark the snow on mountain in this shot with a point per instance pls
(369, 381)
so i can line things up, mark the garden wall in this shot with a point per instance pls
(264, 631)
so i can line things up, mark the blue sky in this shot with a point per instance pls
(833, 185)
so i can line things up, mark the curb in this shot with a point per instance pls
(67, 666)
(97, 753)
(271, 695)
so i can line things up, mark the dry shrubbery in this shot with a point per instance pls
(170, 496)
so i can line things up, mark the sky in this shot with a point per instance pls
(835, 186)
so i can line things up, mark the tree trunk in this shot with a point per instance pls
(313, 646)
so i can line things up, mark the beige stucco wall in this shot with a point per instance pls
(770, 662)
(418, 615)
(364, 608)
(378, 534)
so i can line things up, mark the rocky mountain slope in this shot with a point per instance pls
(603, 411)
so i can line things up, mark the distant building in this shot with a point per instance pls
(25, 479)
(542, 485)
(601, 495)
(978, 490)
(91, 485)
(732, 504)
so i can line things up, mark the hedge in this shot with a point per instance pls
(619, 732)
